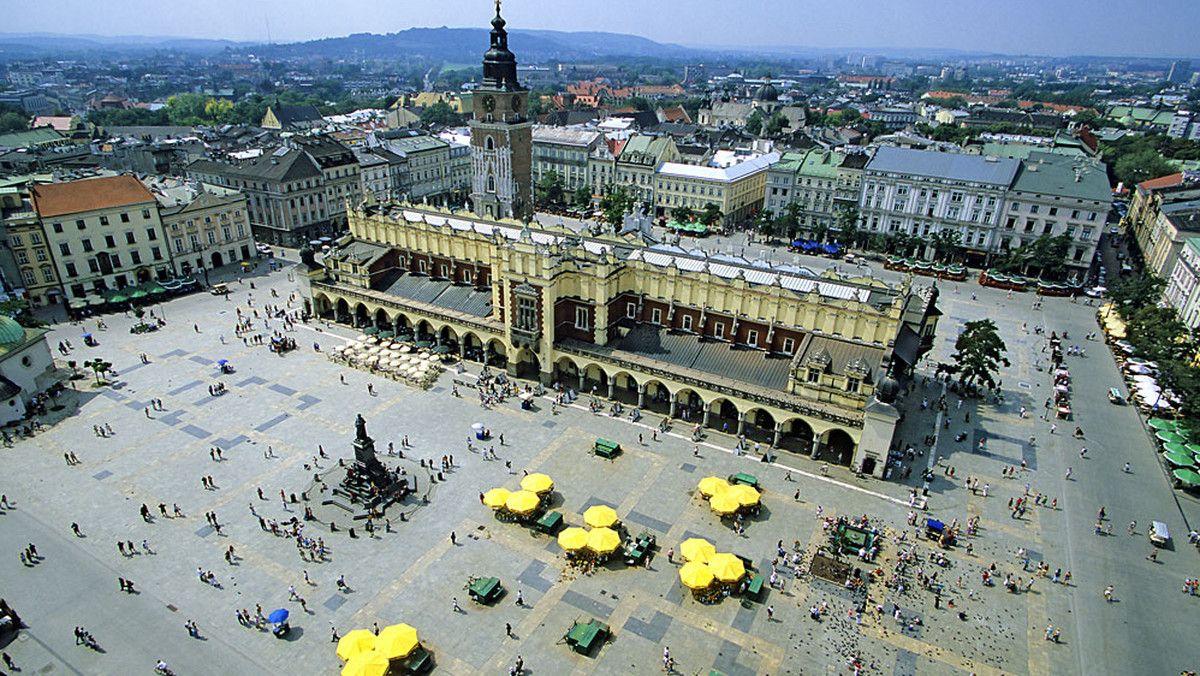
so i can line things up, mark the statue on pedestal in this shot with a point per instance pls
(364, 446)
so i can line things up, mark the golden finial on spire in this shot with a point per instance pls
(497, 7)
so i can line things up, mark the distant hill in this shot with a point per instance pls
(467, 45)
(32, 45)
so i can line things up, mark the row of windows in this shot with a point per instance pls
(81, 224)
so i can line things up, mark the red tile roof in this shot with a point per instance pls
(1162, 182)
(56, 199)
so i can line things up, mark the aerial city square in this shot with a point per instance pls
(574, 344)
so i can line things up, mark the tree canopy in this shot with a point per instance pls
(978, 353)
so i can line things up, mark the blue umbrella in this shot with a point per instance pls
(87, 335)
(278, 616)
(222, 362)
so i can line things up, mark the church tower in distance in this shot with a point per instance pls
(501, 136)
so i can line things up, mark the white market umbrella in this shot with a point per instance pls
(405, 349)
(364, 338)
(395, 347)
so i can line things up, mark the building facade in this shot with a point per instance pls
(921, 193)
(1183, 287)
(737, 189)
(105, 233)
(34, 274)
(206, 226)
(636, 166)
(1058, 196)
(285, 189)
(564, 152)
(339, 169)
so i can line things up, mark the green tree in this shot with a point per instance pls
(641, 104)
(1141, 166)
(187, 109)
(754, 123)
(1137, 291)
(711, 215)
(847, 222)
(615, 205)
(99, 367)
(583, 195)
(945, 243)
(682, 213)
(978, 353)
(442, 114)
(18, 309)
(776, 124)
(550, 189)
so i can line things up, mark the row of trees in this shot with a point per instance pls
(1159, 336)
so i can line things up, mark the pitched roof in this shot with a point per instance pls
(56, 199)
(1063, 176)
(288, 115)
(1161, 182)
(952, 166)
(282, 165)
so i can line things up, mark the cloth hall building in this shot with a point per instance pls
(798, 362)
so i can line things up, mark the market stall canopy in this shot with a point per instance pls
(723, 503)
(572, 539)
(1172, 436)
(726, 567)
(600, 516)
(369, 663)
(698, 550)
(1187, 476)
(396, 641)
(1180, 459)
(1163, 424)
(1172, 447)
(537, 483)
(711, 485)
(496, 498)
(603, 540)
(354, 643)
(522, 502)
(695, 575)
(746, 496)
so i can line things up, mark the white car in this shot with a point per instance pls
(1096, 291)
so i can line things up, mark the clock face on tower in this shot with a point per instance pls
(489, 103)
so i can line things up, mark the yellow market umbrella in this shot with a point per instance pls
(396, 641)
(603, 540)
(370, 663)
(711, 485)
(537, 483)
(357, 641)
(573, 539)
(496, 498)
(695, 575)
(727, 567)
(600, 516)
(522, 502)
(724, 503)
(745, 495)
(697, 549)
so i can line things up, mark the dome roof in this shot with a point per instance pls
(767, 92)
(888, 390)
(10, 331)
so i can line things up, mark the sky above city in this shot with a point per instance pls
(1050, 27)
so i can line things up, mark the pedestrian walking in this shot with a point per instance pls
(520, 599)
(456, 608)
(508, 629)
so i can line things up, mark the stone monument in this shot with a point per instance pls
(364, 446)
